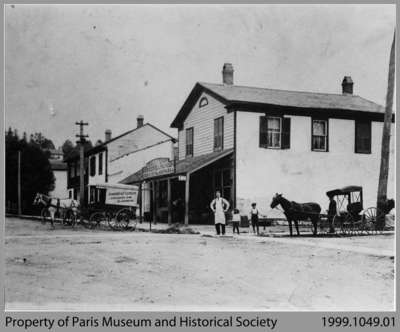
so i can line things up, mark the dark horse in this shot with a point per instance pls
(297, 211)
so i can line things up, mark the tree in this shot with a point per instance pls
(67, 148)
(36, 172)
(42, 141)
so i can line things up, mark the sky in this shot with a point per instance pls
(106, 64)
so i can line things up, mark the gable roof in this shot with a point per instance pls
(235, 95)
(103, 145)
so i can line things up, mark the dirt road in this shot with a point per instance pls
(98, 270)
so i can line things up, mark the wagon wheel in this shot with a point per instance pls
(45, 214)
(345, 222)
(121, 220)
(95, 220)
(371, 216)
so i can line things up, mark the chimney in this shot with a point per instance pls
(347, 85)
(227, 74)
(139, 120)
(107, 135)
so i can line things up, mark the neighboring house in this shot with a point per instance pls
(116, 158)
(60, 174)
(250, 143)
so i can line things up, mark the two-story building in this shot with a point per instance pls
(251, 142)
(117, 157)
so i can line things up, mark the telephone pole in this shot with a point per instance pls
(19, 183)
(385, 149)
(81, 142)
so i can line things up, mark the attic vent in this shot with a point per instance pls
(203, 102)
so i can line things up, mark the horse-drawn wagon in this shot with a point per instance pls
(349, 217)
(111, 204)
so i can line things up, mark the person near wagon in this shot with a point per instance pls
(332, 211)
(219, 206)
(235, 220)
(254, 218)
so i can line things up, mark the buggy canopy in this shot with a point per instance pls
(344, 191)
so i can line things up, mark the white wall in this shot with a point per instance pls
(96, 178)
(202, 120)
(60, 189)
(122, 167)
(301, 174)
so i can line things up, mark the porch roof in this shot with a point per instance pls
(184, 166)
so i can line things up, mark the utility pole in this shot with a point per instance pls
(19, 183)
(385, 150)
(81, 143)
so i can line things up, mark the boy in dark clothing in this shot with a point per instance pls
(332, 211)
(235, 220)
(254, 218)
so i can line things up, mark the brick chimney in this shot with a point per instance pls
(347, 85)
(107, 135)
(139, 120)
(227, 74)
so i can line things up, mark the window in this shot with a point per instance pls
(219, 133)
(69, 193)
(203, 102)
(274, 132)
(92, 192)
(363, 137)
(93, 166)
(189, 142)
(319, 135)
(100, 163)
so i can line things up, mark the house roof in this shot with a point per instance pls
(235, 95)
(183, 166)
(57, 165)
(103, 145)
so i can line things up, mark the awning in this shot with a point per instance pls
(161, 167)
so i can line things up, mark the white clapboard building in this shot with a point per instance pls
(251, 142)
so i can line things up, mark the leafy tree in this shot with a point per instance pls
(67, 148)
(36, 172)
(42, 141)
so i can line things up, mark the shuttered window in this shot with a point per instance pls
(218, 133)
(100, 163)
(363, 137)
(189, 142)
(93, 166)
(319, 135)
(274, 132)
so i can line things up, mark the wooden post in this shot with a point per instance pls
(169, 201)
(153, 192)
(385, 150)
(187, 190)
(141, 203)
(19, 183)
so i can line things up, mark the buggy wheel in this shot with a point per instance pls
(45, 214)
(347, 225)
(95, 220)
(371, 217)
(121, 220)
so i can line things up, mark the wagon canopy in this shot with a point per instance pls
(344, 191)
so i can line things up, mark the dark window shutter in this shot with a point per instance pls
(285, 133)
(263, 132)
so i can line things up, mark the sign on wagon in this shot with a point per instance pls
(116, 196)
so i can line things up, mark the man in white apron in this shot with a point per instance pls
(219, 206)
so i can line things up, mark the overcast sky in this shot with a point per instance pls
(106, 64)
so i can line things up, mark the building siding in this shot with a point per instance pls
(202, 121)
(301, 174)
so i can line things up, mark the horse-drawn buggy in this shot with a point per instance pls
(111, 204)
(348, 216)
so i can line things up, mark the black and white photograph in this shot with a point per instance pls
(202, 157)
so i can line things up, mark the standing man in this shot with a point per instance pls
(219, 206)
(332, 211)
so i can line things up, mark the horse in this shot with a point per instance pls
(298, 211)
(54, 205)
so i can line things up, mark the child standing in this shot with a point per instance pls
(235, 220)
(254, 217)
